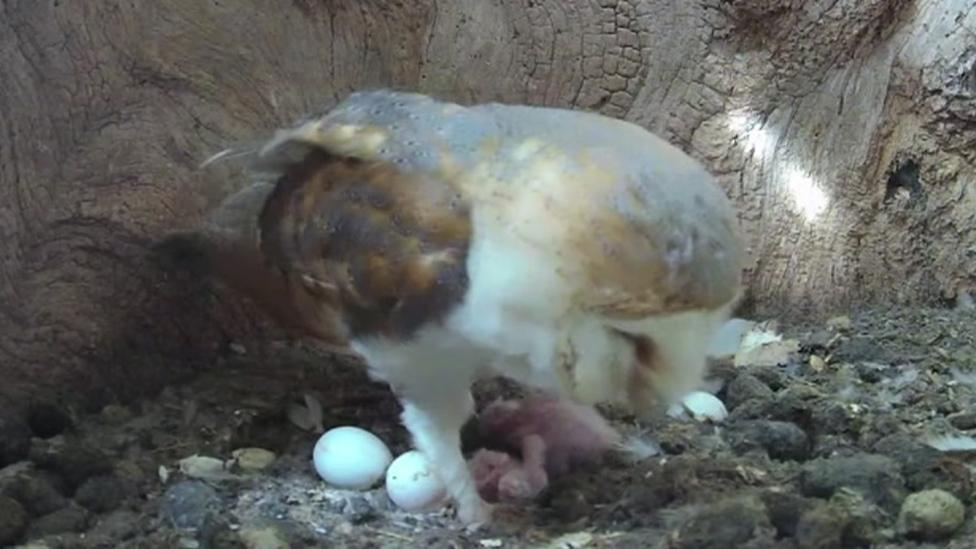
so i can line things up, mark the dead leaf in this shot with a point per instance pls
(771, 353)
(203, 467)
(572, 541)
(253, 459)
(262, 538)
(749, 474)
(839, 323)
(949, 443)
(757, 337)
(314, 411)
(298, 415)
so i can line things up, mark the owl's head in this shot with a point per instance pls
(642, 364)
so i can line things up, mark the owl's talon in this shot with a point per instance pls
(475, 516)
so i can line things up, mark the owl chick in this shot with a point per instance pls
(574, 253)
(550, 436)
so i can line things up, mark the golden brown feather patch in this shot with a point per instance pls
(392, 244)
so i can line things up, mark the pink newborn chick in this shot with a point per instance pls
(501, 477)
(551, 435)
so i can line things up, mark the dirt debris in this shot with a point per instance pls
(834, 452)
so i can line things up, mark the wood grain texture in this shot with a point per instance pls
(109, 107)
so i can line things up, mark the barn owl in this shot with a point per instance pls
(577, 254)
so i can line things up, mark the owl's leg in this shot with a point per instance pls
(432, 380)
(434, 418)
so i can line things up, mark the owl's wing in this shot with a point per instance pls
(378, 201)
(225, 250)
(384, 244)
(635, 227)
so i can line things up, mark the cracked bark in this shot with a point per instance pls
(108, 109)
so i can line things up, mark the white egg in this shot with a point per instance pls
(704, 406)
(412, 485)
(351, 458)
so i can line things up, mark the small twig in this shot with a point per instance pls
(393, 535)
